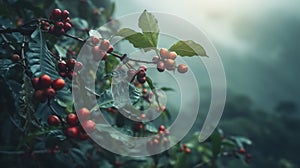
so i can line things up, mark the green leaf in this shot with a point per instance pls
(188, 48)
(167, 89)
(216, 143)
(149, 25)
(138, 40)
(41, 62)
(150, 83)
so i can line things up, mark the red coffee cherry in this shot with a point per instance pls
(35, 83)
(50, 93)
(187, 150)
(78, 66)
(58, 84)
(72, 119)
(155, 59)
(63, 74)
(15, 57)
(71, 63)
(45, 81)
(104, 45)
(110, 49)
(95, 40)
(53, 120)
(67, 26)
(142, 79)
(65, 14)
(89, 125)
(72, 132)
(160, 66)
(242, 151)
(56, 14)
(172, 55)
(84, 113)
(170, 64)
(182, 68)
(163, 53)
(71, 74)
(59, 24)
(62, 66)
(162, 128)
(40, 95)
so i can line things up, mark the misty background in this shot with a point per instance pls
(258, 41)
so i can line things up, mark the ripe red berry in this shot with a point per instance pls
(64, 14)
(84, 113)
(53, 120)
(71, 63)
(40, 95)
(50, 93)
(170, 64)
(110, 49)
(155, 59)
(143, 67)
(78, 66)
(72, 119)
(160, 66)
(156, 141)
(182, 68)
(144, 91)
(63, 74)
(59, 24)
(162, 128)
(62, 66)
(172, 55)
(15, 57)
(45, 81)
(71, 74)
(163, 52)
(35, 83)
(242, 151)
(72, 132)
(89, 125)
(56, 14)
(142, 79)
(67, 26)
(95, 40)
(58, 84)
(141, 73)
(187, 150)
(104, 45)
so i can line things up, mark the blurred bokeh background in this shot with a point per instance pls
(258, 42)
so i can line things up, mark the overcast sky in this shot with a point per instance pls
(258, 41)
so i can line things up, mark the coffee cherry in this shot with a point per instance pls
(95, 40)
(89, 125)
(50, 93)
(67, 26)
(182, 68)
(141, 73)
(53, 120)
(40, 95)
(110, 49)
(59, 24)
(35, 83)
(78, 66)
(62, 66)
(45, 25)
(71, 63)
(56, 14)
(63, 74)
(163, 53)
(71, 74)
(143, 67)
(45, 81)
(172, 55)
(170, 64)
(72, 119)
(58, 84)
(242, 151)
(64, 14)
(187, 150)
(160, 66)
(142, 79)
(84, 113)
(72, 132)
(155, 59)
(68, 20)
(104, 45)
(162, 128)
(15, 57)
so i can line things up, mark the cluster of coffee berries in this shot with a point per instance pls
(184, 148)
(140, 74)
(246, 155)
(87, 124)
(45, 88)
(100, 49)
(166, 60)
(62, 22)
(15, 57)
(161, 139)
(66, 69)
